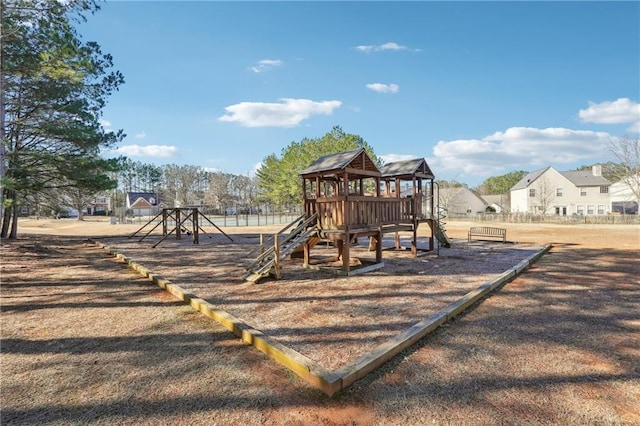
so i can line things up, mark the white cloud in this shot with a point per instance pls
(381, 47)
(140, 135)
(383, 88)
(391, 158)
(106, 126)
(622, 110)
(155, 151)
(521, 147)
(287, 113)
(265, 65)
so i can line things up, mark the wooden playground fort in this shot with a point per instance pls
(345, 197)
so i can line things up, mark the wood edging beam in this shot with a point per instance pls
(307, 369)
(386, 351)
(328, 381)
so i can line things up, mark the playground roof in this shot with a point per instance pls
(407, 169)
(356, 162)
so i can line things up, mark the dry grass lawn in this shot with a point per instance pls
(86, 340)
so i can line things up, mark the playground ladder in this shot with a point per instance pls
(265, 263)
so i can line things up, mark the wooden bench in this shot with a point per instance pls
(488, 231)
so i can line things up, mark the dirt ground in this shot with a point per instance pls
(86, 340)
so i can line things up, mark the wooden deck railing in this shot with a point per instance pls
(364, 211)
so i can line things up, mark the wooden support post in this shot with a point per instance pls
(165, 214)
(178, 224)
(306, 249)
(378, 238)
(261, 243)
(414, 241)
(397, 241)
(194, 221)
(346, 255)
(276, 258)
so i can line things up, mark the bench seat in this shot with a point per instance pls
(488, 232)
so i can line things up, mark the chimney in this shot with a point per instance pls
(597, 170)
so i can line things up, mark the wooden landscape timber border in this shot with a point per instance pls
(328, 381)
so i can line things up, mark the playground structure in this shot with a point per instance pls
(345, 197)
(181, 220)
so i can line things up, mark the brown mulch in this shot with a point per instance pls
(85, 340)
(329, 318)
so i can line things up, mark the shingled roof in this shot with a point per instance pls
(578, 178)
(528, 179)
(356, 159)
(417, 167)
(585, 178)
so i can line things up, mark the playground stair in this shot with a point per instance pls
(265, 264)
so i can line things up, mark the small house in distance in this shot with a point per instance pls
(142, 203)
(460, 201)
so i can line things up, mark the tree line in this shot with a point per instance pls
(53, 88)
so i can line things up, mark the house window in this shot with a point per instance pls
(532, 192)
(558, 192)
(580, 209)
(590, 209)
(583, 192)
(600, 208)
(604, 189)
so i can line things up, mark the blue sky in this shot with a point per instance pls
(477, 88)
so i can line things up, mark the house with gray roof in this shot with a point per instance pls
(550, 192)
(143, 203)
(460, 201)
(496, 202)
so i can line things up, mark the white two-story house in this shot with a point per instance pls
(623, 197)
(550, 192)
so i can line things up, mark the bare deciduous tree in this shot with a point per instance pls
(545, 194)
(627, 152)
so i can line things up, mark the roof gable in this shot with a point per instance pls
(498, 199)
(529, 179)
(141, 203)
(356, 159)
(150, 198)
(407, 168)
